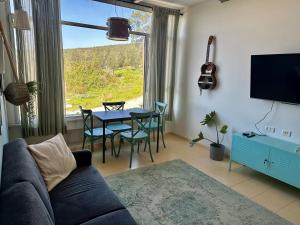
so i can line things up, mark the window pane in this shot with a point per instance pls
(97, 70)
(97, 13)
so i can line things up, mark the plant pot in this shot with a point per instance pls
(217, 152)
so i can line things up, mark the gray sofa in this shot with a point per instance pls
(82, 198)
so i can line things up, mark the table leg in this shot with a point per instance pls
(103, 143)
(157, 141)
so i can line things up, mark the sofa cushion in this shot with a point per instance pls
(55, 160)
(120, 217)
(19, 166)
(22, 205)
(82, 196)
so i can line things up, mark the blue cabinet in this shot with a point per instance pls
(274, 157)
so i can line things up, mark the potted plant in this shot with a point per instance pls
(217, 150)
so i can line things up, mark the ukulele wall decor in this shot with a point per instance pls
(207, 79)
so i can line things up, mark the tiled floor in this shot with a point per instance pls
(270, 193)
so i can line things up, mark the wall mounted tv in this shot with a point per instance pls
(276, 77)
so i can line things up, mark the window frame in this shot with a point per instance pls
(70, 117)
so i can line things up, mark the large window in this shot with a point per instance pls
(95, 68)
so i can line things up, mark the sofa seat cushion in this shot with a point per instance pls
(82, 196)
(120, 217)
(19, 166)
(22, 205)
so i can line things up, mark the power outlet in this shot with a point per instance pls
(286, 133)
(270, 129)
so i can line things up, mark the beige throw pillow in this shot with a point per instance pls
(55, 160)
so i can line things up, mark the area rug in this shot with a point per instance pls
(175, 193)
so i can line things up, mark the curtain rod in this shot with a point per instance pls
(97, 27)
(129, 4)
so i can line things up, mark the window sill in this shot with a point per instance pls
(73, 118)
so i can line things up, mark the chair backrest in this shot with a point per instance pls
(143, 121)
(87, 118)
(160, 107)
(112, 106)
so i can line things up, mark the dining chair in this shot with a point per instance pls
(119, 126)
(142, 133)
(93, 133)
(160, 108)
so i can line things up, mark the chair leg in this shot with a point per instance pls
(131, 153)
(113, 152)
(150, 150)
(162, 136)
(92, 144)
(119, 149)
(84, 139)
(146, 142)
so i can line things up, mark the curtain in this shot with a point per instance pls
(39, 58)
(48, 48)
(160, 79)
(25, 47)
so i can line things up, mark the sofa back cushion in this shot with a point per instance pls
(19, 166)
(54, 159)
(22, 205)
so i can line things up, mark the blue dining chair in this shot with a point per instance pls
(142, 133)
(116, 127)
(159, 108)
(91, 133)
(119, 126)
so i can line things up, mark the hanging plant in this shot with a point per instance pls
(33, 89)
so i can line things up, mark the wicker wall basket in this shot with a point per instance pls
(17, 93)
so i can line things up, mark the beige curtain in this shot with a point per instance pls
(160, 79)
(39, 56)
(48, 48)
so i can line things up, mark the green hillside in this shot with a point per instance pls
(108, 73)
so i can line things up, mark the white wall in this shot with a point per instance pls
(242, 28)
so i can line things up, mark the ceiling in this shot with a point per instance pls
(174, 3)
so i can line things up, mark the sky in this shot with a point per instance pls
(89, 12)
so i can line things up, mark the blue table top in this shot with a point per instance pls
(118, 114)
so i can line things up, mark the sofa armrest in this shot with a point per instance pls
(83, 158)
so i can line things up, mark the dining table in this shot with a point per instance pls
(107, 117)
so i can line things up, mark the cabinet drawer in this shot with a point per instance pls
(250, 153)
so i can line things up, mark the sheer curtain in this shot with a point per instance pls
(39, 53)
(160, 79)
(26, 61)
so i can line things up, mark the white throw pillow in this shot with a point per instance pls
(55, 160)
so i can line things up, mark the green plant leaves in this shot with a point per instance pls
(223, 130)
(209, 119)
(200, 138)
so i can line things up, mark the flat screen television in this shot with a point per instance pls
(276, 77)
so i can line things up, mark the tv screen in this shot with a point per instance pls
(276, 77)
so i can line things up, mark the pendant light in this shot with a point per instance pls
(118, 29)
(21, 20)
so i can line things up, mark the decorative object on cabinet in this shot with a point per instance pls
(217, 150)
(207, 79)
(274, 157)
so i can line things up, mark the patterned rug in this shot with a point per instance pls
(174, 193)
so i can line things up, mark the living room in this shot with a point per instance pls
(223, 149)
